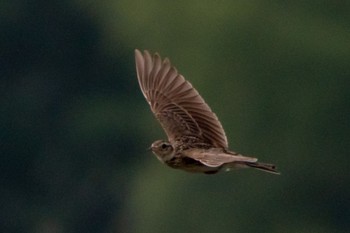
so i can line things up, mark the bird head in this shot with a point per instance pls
(163, 150)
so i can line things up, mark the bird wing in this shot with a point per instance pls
(215, 158)
(175, 103)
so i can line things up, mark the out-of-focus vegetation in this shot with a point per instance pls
(74, 126)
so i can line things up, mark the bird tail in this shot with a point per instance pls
(263, 167)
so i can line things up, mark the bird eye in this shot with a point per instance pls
(164, 146)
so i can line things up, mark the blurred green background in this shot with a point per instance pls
(74, 126)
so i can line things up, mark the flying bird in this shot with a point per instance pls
(196, 139)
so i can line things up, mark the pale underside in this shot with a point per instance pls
(176, 104)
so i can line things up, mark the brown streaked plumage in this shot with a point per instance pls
(197, 140)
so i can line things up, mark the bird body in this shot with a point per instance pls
(196, 139)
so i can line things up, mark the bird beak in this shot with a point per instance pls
(149, 148)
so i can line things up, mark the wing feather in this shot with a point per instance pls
(216, 158)
(176, 104)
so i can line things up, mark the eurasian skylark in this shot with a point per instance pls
(196, 139)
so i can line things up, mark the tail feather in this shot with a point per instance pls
(263, 167)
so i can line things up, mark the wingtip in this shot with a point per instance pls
(137, 51)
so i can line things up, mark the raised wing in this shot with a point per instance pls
(175, 103)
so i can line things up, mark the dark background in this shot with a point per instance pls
(74, 126)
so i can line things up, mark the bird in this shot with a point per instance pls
(196, 141)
